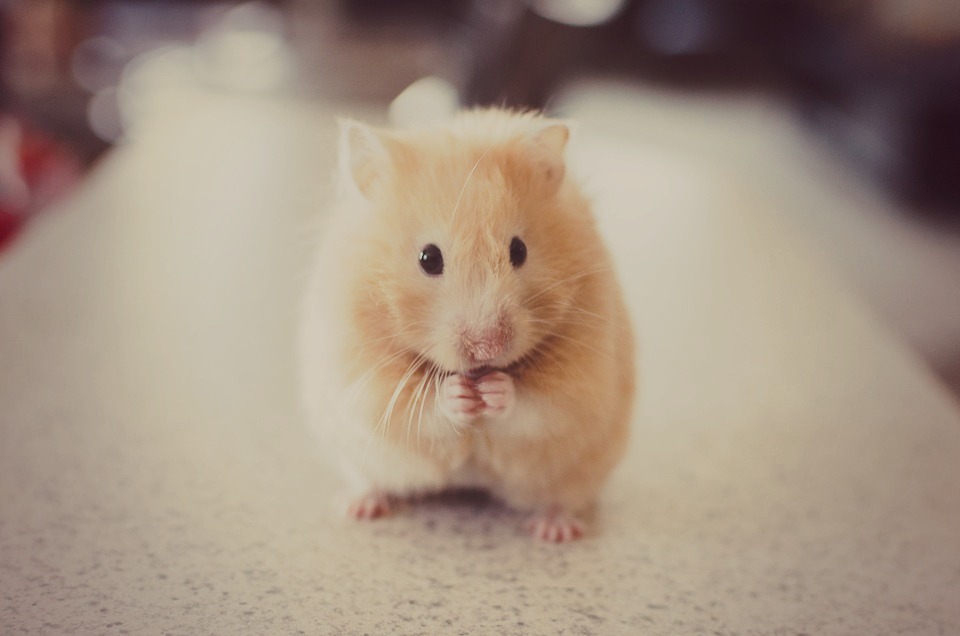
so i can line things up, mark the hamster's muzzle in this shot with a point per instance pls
(484, 345)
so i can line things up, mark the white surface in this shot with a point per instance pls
(905, 269)
(794, 468)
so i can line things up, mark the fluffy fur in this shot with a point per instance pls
(389, 380)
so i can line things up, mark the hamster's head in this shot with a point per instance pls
(473, 245)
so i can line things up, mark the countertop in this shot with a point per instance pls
(794, 467)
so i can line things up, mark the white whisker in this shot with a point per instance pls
(567, 280)
(464, 188)
(384, 421)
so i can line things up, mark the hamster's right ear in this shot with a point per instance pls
(364, 156)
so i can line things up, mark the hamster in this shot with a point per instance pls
(463, 325)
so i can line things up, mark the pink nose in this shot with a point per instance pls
(484, 350)
(486, 345)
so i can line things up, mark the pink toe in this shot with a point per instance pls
(371, 506)
(555, 527)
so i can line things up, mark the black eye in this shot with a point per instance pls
(518, 252)
(431, 260)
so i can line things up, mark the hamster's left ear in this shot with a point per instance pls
(364, 156)
(549, 144)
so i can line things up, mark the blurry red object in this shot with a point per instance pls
(35, 170)
(8, 228)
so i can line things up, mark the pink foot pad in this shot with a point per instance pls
(555, 527)
(369, 506)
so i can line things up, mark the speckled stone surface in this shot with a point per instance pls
(793, 470)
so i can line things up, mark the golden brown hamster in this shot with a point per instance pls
(463, 325)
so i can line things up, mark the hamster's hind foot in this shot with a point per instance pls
(555, 526)
(370, 506)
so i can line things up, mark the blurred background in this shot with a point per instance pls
(844, 115)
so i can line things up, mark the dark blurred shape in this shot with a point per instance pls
(62, 61)
(518, 57)
(678, 27)
(37, 39)
(877, 81)
(880, 79)
(436, 13)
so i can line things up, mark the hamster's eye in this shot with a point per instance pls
(518, 252)
(431, 260)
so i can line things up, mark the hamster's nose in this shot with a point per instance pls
(486, 344)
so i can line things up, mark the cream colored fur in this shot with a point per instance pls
(381, 341)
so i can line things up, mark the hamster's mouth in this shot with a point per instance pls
(514, 367)
(475, 373)
(479, 372)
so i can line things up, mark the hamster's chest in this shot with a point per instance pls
(482, 461)
(490, 441)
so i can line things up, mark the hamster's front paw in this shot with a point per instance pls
(459, 399)
(496, 392)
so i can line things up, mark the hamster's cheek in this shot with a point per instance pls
(412, 300)
(554, 300)
(423, 326)
(442, 347)
(525, 333)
